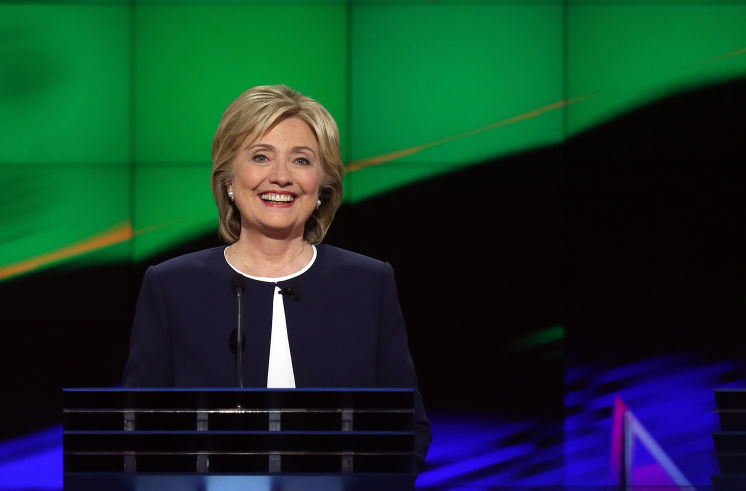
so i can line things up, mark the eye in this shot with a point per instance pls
(302, 161)
(259, 157)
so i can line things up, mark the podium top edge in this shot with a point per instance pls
(236, 389)
(207, 433)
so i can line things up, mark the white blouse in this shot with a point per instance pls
(280, 372)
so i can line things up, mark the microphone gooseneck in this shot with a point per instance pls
(238, 285)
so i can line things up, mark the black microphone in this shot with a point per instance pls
(238, 285)
(232, 342)
(293, 291)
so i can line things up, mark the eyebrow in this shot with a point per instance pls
(271, 147)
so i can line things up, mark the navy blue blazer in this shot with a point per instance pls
(345, 330)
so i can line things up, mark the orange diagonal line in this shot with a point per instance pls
(121, 233)
(727, 55)
(381, 159)
(175, 221)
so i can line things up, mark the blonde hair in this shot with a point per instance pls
(248, 118)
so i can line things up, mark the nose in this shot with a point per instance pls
(280, 174)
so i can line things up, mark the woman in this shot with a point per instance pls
(313, 315)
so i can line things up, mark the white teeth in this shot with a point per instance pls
(283, 198)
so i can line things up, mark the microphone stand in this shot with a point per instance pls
(238, 285)
(239, 365)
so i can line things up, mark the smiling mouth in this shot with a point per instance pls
(277, 197)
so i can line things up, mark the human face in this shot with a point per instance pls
(276, 180)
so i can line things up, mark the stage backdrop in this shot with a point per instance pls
(558, 185)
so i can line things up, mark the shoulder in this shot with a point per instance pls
(348, 282)
(351, 271)
(190, 264)
(342, 259)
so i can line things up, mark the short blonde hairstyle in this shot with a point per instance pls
(248, 118)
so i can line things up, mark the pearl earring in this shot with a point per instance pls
(318, 203)
(230, 195)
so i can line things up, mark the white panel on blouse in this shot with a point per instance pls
(280, 371)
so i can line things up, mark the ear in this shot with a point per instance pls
(229, 186)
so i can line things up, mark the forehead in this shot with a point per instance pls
(291, 131)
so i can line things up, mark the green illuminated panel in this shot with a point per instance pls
(444, 70)
(172, 204)
(52, 214)
(533, 340)
(627, 55)
(64, 84)
(429, 87)
(378, 179)
(656, 2)
(193, 60)
(460, 3)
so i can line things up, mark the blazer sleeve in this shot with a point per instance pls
(395, 367)
(149, 363)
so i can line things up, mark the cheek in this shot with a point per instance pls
(246, 177)
(308, 182)
(315, 181)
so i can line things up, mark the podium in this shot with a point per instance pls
(730, 441)
(230, 438)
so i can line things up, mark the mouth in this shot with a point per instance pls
(280, 198)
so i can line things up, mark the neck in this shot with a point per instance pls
(267, 257)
